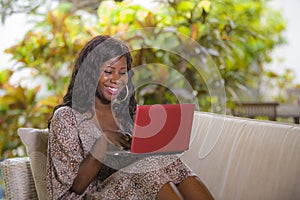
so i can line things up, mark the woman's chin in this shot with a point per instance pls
(106, 99)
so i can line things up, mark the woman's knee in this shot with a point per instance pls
(169, 191)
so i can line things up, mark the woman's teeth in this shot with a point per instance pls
(112, 90)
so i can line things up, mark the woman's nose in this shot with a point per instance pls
(115, 78)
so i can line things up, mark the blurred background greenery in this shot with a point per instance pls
(238, 36)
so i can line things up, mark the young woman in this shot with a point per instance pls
(96, 111)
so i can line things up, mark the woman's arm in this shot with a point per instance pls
(90, 166)
(68, 169)
(88, 170)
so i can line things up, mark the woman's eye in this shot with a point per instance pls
(122, 73)
(107, 72)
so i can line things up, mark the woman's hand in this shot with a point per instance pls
(121, 140)
(98, 150)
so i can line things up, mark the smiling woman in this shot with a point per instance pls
(91, 120)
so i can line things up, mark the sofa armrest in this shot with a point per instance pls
(18, 179)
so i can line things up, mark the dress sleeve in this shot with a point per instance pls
(65, 153)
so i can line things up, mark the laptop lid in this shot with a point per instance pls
(162, 128)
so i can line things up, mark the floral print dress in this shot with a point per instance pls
(121, 177)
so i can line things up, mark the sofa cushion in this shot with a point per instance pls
(36, 141)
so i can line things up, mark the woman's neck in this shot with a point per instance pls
(104, 117)
(99, 105)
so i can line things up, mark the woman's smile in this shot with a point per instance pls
(112, 90)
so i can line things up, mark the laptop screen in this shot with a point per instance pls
(162, 128)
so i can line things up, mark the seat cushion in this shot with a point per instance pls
(36, 141)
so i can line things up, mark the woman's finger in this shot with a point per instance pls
(118, 138)
(125, 144)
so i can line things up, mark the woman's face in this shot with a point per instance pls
(113, 77)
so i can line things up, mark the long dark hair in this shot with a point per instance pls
(85, 76)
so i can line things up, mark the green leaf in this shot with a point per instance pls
(5, 75)
(64, 7)
(184, 30)
(185, 6)
(205, 5)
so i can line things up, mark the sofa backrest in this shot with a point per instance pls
(239, 158)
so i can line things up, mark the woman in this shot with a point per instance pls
(97, 110)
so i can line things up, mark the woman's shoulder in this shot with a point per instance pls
(63, 127)
(66, 113)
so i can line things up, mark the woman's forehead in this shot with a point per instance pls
(118, 61)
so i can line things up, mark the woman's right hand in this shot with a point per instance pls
(121, 140)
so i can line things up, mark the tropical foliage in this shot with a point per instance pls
(237, 36)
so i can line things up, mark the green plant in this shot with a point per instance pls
(237, 35)
(48, 52)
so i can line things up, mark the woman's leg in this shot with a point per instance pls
(169, 192)
(192, 188)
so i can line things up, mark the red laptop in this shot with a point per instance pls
(161, 128)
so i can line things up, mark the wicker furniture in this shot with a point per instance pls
(17, 175)
(237, 158)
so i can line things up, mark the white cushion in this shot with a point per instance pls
(36, 142)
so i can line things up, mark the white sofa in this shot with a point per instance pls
(237, 158)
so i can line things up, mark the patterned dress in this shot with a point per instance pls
(71, 137)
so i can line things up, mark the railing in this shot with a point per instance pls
(256, 109)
